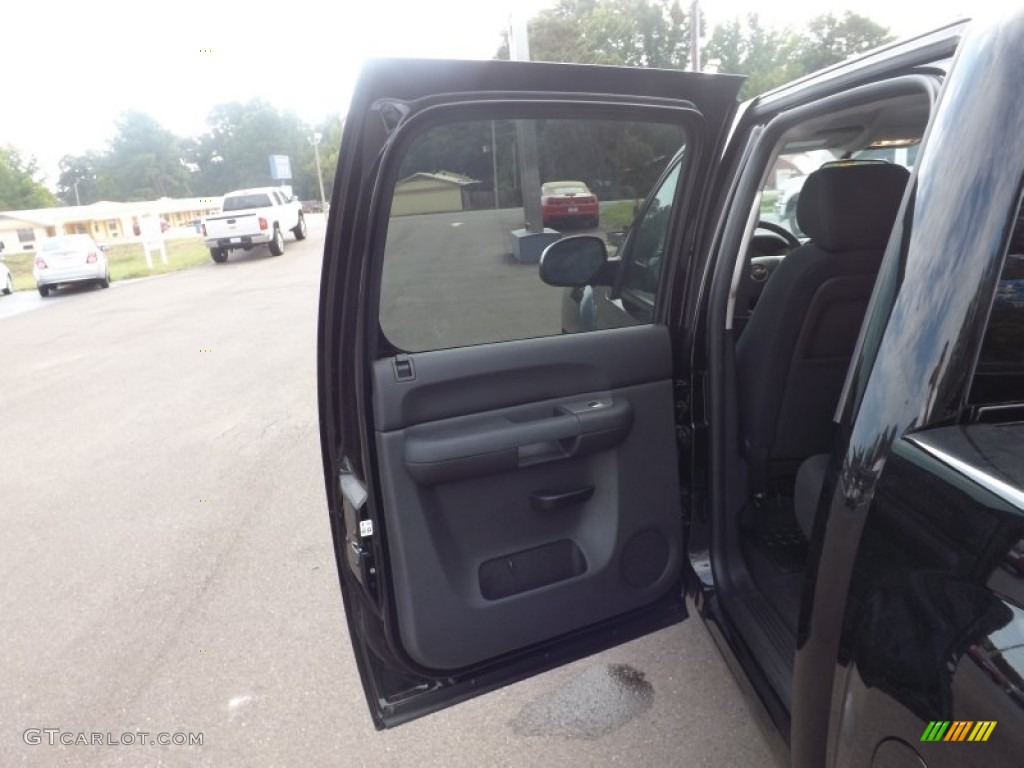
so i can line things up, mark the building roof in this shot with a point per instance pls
(252, 191)
(43, 217)
(109, 209)
(446, 177)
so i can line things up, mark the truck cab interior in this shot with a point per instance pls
(785, 318)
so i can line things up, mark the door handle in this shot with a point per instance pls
(544, 501)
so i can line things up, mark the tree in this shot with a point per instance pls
(82, 179)
(770, 57)
(832, 39)
(655, 33)
(636, 33)
(21, 187)
(234, 152)
(764, 54)
(330, 144)
(144, 161)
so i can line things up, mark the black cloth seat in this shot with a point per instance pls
(809, 481)
(792, 357)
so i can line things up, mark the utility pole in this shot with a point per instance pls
(528, 244)
(494, 164)
(526, 130)
(315, 141)
(695, 35)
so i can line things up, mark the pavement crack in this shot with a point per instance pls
(268, 426)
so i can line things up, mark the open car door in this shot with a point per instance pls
(504, 496)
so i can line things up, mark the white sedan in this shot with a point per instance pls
(70, 259)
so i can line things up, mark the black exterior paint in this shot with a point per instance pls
(934, 626)
(913, 606)
(913, 375)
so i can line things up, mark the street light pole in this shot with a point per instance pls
(695, 36)
(315, 141)
(494, 164)
(77, 201)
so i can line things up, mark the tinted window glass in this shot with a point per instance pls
(646, 246)
(459, 268)
(60, 243)
(241, 202)
(1000, 374)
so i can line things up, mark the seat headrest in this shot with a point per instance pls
(851, 206)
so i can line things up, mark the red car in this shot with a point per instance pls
(569, 201)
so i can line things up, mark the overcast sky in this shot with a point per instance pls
(72, 68)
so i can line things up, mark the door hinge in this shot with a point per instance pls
(684, 437)
(684, 432)
(359, 531)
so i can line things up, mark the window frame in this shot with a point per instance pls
(682, 114)
(621, 289)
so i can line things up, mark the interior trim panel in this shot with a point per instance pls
(529, 492)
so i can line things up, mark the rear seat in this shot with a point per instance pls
(810, 478)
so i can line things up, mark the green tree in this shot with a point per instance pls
(234, 152)
(770, 57)
(655, 33)
(144, 161)
(636, 33)
(832, 39)
(82, 178)
(330, 144)
(21, 186)
(767, 56)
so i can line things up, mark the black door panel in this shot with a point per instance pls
(499, 507)
(530, 516)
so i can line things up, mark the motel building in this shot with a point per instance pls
(107, 222)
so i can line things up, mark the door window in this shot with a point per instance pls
(459, 267)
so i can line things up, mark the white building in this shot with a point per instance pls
(107, 222)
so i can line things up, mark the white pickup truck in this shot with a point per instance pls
(251, 217)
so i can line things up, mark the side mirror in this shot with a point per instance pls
(574, 261)
(103, 247)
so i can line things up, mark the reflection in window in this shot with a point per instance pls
(1000, 374)
(645, 250)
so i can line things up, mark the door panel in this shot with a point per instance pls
(530, 520)
(504, 496)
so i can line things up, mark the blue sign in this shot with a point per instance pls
(280, 167)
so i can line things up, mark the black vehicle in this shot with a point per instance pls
(817, 447)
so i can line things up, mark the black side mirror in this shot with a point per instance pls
(574, 262)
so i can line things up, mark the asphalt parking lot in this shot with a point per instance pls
(167, 567)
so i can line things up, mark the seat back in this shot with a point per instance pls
(792, 357)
